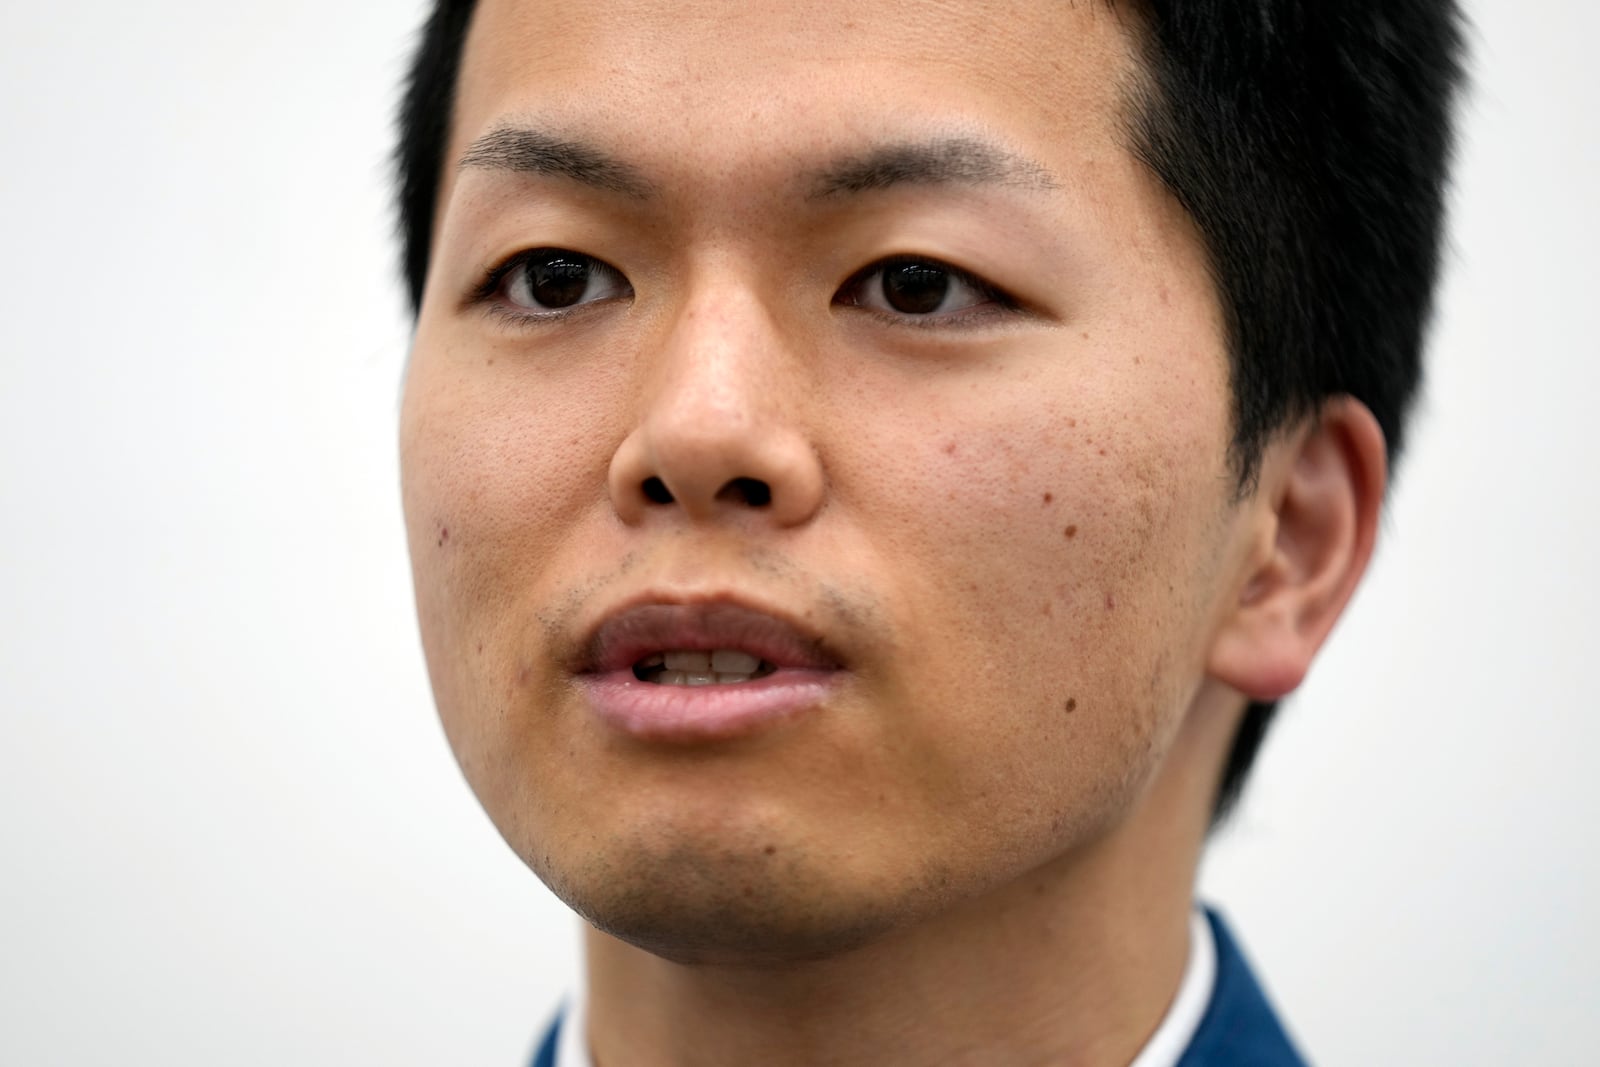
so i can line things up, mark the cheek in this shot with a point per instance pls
(496, 464)
(495, 476)
(1047, 551)
(1047, 516)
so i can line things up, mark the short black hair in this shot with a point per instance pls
(423, 128)
(1310, 143)
(1308, 140)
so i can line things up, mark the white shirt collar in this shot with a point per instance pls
(571, 1048)
(1164, 1049)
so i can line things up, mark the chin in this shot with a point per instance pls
(719, 906)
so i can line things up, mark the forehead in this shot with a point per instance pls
(715, 91)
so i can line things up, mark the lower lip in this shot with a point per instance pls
(695, 713)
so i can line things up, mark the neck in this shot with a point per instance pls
(1075, 963)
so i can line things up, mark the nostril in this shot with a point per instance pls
(751, 491)
(656, 491)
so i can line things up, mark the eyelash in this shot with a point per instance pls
(1001, 302)
(488, 293)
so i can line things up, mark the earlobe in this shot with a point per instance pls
(1317, 507)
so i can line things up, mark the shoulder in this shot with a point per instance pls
(1239, 1028)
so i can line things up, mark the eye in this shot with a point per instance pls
(548, 281)
(920, 288)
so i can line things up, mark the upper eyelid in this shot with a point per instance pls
(495, 276)
(494, 279)
(481, 297)
(906, 258)
(978, 282)
(496, 273)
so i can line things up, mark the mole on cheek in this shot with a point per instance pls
(1070, 532)
(444, 535)
(1071, 705)
(1048, 497)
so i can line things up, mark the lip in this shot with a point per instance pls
(804, 670)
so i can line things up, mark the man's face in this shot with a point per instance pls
(889, 366)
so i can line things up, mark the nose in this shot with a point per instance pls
(718, 433)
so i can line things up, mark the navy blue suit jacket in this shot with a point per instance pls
(1238, 1029)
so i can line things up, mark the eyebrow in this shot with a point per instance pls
(939, 161)
(526, 151)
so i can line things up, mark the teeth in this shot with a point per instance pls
(725, 666)
(685, 678)
(722, 661)
(727, 661)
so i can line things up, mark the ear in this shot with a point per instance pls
(1315, 520)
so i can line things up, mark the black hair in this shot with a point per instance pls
(423, 126)
(1308, 140)
(1310, 143)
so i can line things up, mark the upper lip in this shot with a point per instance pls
(644, 627)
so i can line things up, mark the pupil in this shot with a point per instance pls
(915, 288)
(559, 281)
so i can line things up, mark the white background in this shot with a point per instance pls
(231, 830)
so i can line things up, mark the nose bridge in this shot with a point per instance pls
(722, 348)
(717, 430)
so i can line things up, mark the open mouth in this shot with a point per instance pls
(723, 666)
(702, 672)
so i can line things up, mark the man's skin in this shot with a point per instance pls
(1008, 533)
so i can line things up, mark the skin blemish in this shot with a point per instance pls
(444, 535)
(949, 448)
(1071, 705)
(1070, 532)
(1049, 610)
(1111, 602)
(1048, 498)
(770, 850)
